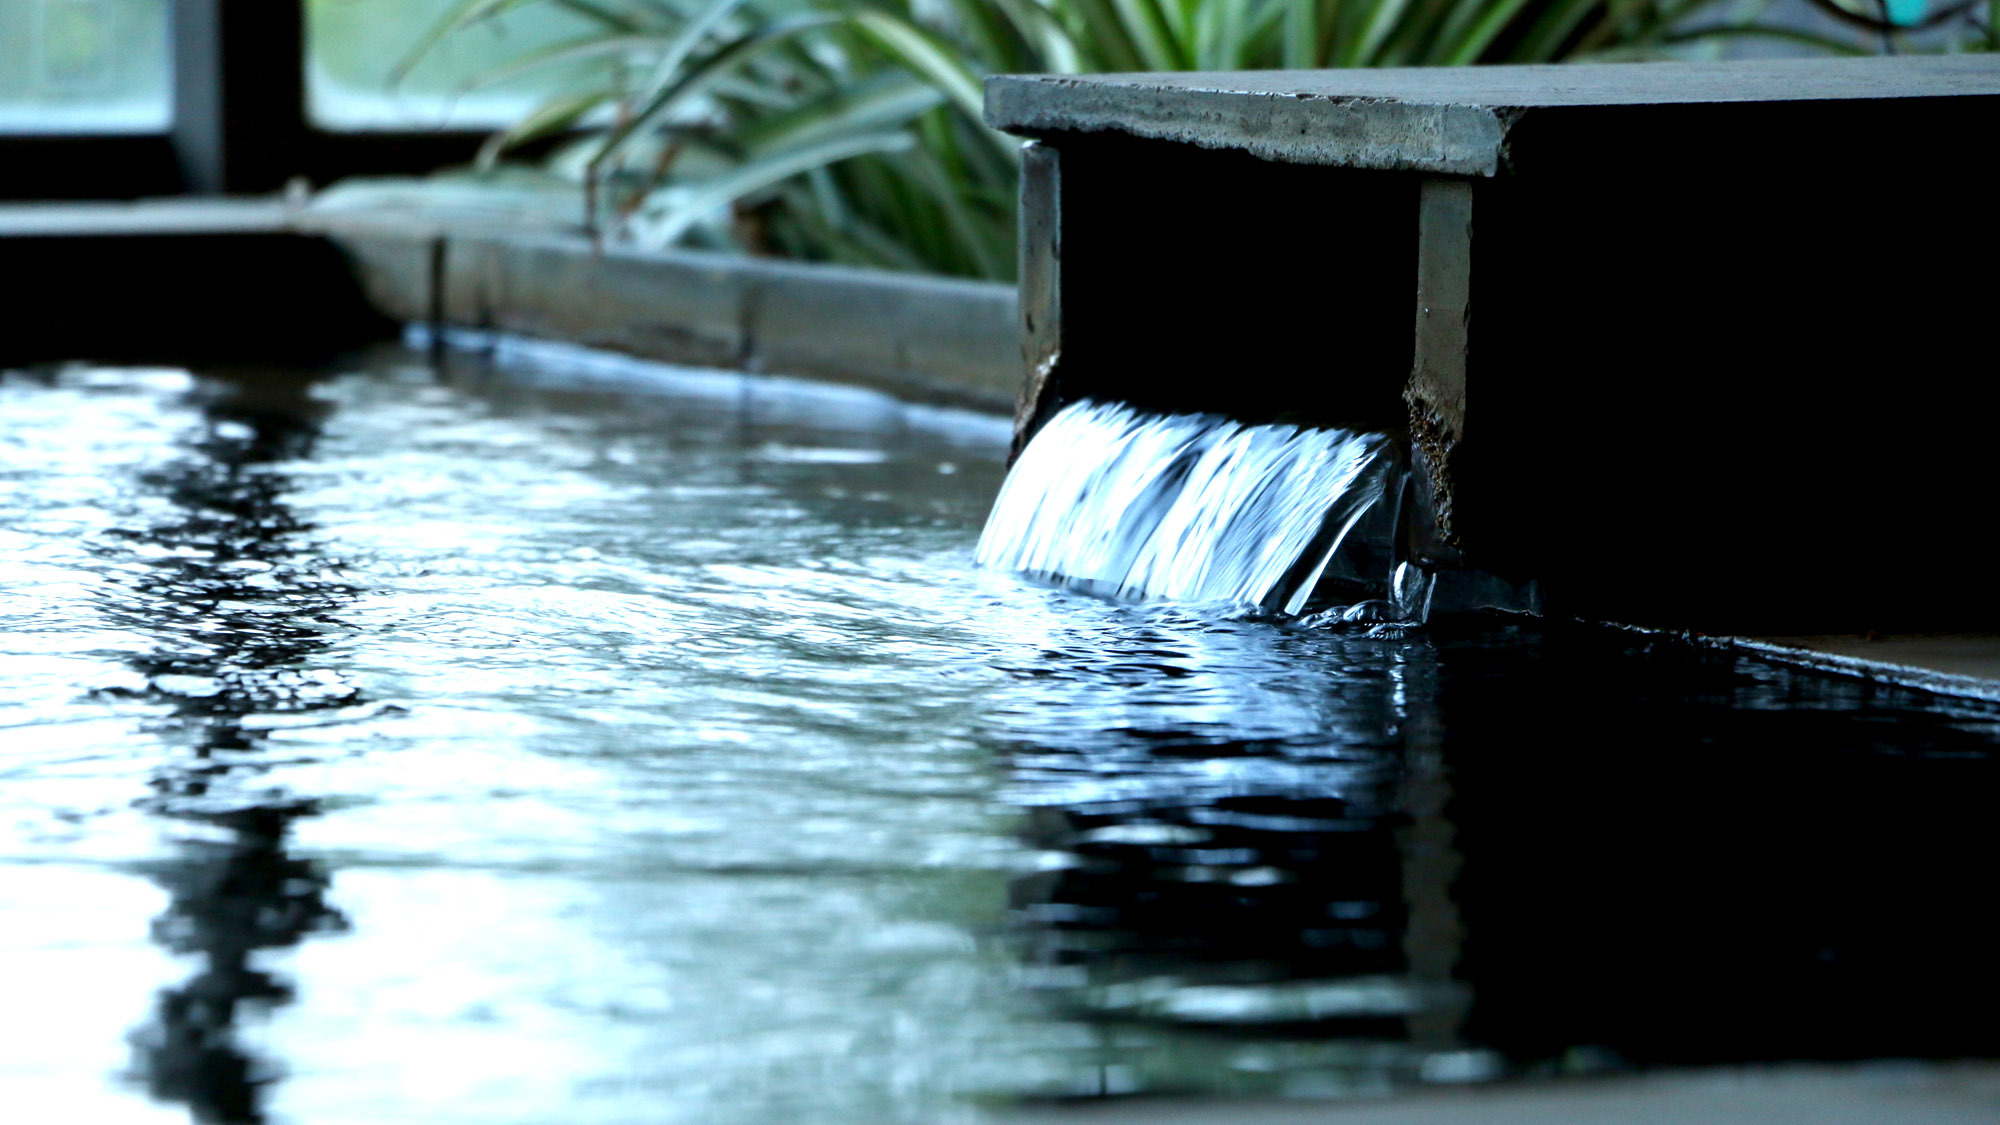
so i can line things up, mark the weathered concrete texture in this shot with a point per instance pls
(1456, 121)
(1436, 391)
(559, 288)
(1041, 285)
(1795, 1095)
(930, 338)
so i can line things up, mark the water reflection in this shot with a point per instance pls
(702, 786)
(242, 610)
(1500, 850)
(1294, 883)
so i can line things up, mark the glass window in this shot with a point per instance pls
(84, 66)
(354, 48)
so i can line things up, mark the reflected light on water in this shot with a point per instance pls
(572, 739)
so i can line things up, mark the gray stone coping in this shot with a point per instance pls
(1966, 665)
(933, 339)
(1853, 1094)
(151, 217)
(1443, 120)
(929, 339)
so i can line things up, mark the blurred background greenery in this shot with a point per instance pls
(355, 48)
(841, 130)
(849, 130)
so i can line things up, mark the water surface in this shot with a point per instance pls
(576, 741)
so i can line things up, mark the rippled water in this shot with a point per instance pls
(577, 742)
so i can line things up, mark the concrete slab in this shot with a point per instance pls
(680, 308)
(151, 217)
(1961, 664)
(932, 339)
(1453, 121)
(1869, 1094)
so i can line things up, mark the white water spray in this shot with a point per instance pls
(1197, 508)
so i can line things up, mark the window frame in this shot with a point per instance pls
(239, 123)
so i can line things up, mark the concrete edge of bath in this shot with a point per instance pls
(1859, 1094)
(150, 217)
(944, 341)
(938, 340)
(1957, 665)
(1964, 665)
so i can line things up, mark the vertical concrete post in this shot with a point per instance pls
(1436, 391)
(1041, 286)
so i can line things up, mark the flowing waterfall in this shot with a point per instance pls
(1198, 508)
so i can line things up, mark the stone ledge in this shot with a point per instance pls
(936, 339)
(1441, 120)
(1863, 1094)
(933, 339)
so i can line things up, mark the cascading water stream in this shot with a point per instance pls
(1198, 508)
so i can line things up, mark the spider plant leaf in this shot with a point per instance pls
(681, 207)
(1556, 24)
(1618, 14)
(989, 34)
(686, 42)
(571, 50)
(1335, 20)
(826, 201)
(843, 235)
(552, 116)
(1382, 19)
(1767, 31)
(1105, 37)
(1152, 34)
(700, 75)
(1467, 49)
(887, 102)
(972, 236)
(608, 16)
(468, 12)
(1414, 41)
(1220, 32)
(925, 55)
(1301, 34)
(1051, 50)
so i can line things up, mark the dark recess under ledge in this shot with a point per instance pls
(1694, 345)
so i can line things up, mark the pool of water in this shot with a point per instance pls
(571, 740)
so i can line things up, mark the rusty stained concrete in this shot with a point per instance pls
(1444, 120)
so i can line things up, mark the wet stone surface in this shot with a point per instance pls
(598, 744)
